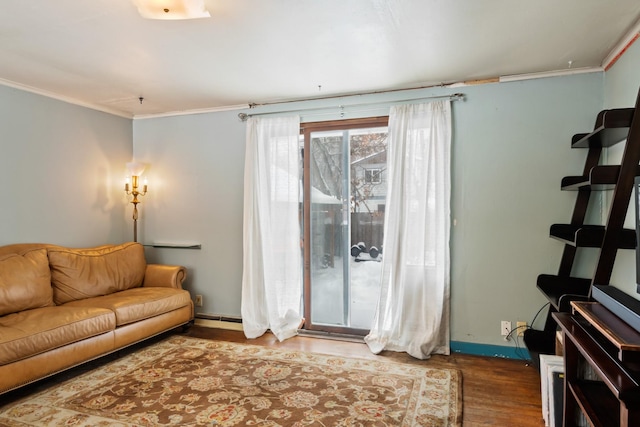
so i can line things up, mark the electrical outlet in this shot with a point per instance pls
(198, 300)
(505, 328)
(521, 326)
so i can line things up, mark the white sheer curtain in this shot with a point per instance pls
(413, 309)
(272, 279)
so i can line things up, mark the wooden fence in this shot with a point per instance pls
(367, 228)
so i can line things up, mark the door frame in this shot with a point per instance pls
(306, 129)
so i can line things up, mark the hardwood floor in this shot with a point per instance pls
(495, 391)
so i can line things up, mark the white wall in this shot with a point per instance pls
(511, 149)
(621, 85)
(61, 168)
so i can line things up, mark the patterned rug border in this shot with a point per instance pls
(155, 351)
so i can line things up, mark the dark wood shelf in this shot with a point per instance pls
(590, 236)
(612, 126)
(597, 352)
(624, 340)
(554, 287)
(600, 178)
(610, 396)
(595, 400)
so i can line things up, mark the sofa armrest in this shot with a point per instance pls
(164, 276)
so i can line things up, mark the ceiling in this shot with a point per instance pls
(103, 54)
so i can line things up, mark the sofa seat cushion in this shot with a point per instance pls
(137, 304)
(31, 332)
(25, 281)
(85, 273)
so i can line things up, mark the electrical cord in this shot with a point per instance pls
(516, 341)
(518, 349)
(541, 308)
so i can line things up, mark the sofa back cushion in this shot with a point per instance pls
(85, 273)
(25, 281)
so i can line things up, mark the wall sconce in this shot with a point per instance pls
(135, 169)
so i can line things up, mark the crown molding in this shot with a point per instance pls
(556, 73)
(620, 48)
(63, 98)
(191, 112)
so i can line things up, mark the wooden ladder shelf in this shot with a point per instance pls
(611, 127)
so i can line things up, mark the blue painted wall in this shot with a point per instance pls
(511, 148)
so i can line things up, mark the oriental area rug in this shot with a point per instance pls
(185, 381)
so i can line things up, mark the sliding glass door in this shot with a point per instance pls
(345, 192)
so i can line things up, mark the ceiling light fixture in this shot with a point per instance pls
(172, 9)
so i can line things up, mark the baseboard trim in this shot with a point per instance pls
(506, 352)
(219, 323)
(490, 350)
(331, 336)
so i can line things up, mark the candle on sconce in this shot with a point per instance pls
(145, 185)
(126, 184)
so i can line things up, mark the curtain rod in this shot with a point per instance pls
(453, 97)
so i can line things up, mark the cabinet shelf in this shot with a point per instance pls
(621, 337)
(597, 402)
(612, 126)
(599, 353)
(590, 236)
(611, 395)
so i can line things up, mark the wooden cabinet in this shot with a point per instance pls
(602, 367)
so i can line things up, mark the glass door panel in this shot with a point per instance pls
(347, 173)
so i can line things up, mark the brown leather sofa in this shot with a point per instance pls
(60, 307)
